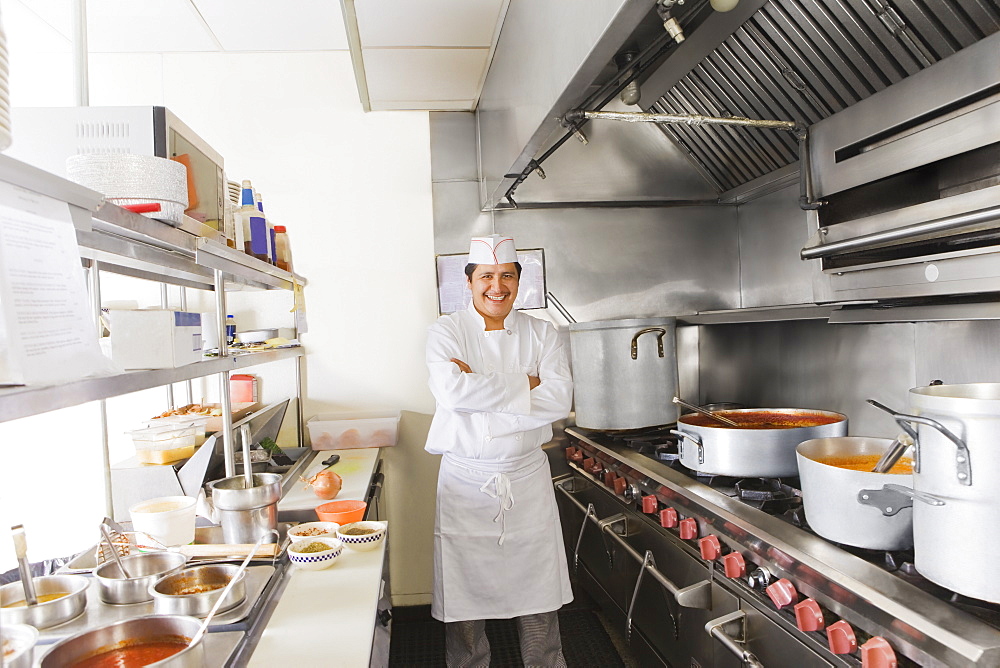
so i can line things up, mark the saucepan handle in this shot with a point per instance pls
(962, 461)
(659, 340)
(694, 438)
(893, 498)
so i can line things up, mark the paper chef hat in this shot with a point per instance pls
(494, 249)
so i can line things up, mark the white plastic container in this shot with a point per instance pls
(167, 442)
(341, 431)
(168, 519)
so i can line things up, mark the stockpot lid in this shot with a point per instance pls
(634, 323)
(968, 398)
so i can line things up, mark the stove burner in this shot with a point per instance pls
(763, 489)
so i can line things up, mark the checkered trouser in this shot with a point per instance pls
(466, 645)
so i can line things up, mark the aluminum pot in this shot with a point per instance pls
(246, 514)
(124, 633)
(753, 452)
(169, 597)
(624, 372)
(842, 505)
(50, 613)
(956, 429)
(144, 569)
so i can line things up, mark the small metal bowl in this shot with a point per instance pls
(128, 632)
(168, 598)
(145, 569)
(50, 613)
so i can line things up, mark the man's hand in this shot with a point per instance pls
(465, 368)
(533, 382)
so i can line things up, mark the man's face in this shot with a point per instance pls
(494, 289)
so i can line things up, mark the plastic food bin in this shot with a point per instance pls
(340, 431)
(167, 443)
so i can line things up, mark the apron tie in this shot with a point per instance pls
(501, 483)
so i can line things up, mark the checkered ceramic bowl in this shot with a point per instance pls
(362, 535)
(314, 561)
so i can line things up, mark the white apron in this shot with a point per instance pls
(498, 549)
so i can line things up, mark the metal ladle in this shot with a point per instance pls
(21, 552)
(698, 409)
(893, 453)
(114, 552)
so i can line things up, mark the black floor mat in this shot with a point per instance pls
(418, 640)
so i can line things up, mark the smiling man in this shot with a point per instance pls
(500, 378)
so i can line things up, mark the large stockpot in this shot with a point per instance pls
(247, 513)
(842, 505)
(957, 463)
(624, 372)
(126, 633)
(753, 452)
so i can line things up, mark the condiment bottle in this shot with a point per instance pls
(270, 230)
(282, 250)
(230, 330)
(254, 225)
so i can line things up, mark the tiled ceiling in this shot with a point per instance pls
(431, 54)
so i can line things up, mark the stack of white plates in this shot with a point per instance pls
(125, 178)
(5, 134)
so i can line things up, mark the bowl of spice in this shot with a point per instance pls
(315, 554)
(310, 530)
(362, 535)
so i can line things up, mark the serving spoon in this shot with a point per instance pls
(698, 409)
(893, 453)
(21, 552)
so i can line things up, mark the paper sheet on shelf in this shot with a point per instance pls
(47, 333)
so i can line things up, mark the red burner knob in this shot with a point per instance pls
(668, 518)
(734, 564)
(809, 616)
(619, 485)
(840, 635)
(782, 593)
(877, 653)
(710, 548)
(589, 464)
(570, 451)
(609, 478)
(688, 528)
(649, 504)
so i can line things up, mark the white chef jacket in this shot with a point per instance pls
(498, 549)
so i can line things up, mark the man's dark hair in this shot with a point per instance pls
(471, 267)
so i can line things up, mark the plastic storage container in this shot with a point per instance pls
(166, 443)
(339, 431)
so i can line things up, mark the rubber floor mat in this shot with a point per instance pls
(418, 640)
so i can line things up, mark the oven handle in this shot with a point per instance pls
(698, 595)
(733, 640)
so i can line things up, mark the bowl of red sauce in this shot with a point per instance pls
(162, 641)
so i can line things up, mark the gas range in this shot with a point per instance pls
(847, 606)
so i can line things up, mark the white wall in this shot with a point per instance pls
(354, 190)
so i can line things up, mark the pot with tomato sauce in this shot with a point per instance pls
(840, 492)
(161, 641)
(763, 445)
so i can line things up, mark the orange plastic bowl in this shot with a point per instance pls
(342, 512)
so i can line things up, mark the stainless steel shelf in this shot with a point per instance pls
(19, 402)
(759, 314)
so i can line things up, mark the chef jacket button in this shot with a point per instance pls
(509, 332)
(518, 437)
(488, 438)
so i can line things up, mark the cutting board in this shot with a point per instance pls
(355, 467)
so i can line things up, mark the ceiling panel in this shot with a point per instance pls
(30, 30)
(265, 25)
(127, 26)
(454, 23)
(56, 14)
(424, 74)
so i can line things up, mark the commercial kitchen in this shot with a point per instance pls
(779, 210)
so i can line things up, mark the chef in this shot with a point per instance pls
(500, 378)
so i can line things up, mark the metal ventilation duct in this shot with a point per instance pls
(805, 60)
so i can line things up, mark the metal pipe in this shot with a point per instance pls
(577, 115)
(299, 425)
(806, 201)
(902, 234)
(559, 307)
(94, 278)
(81, 80)
(228, 451)
(165, 304)
(187, 384)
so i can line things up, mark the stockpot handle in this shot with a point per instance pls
(696, 438)
(698, 595)
(962, 462)
(733, 640)
(659, 340)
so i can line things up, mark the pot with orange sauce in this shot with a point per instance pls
(762, 446)
(846, 503)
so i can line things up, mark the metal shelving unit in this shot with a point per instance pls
(112, 239)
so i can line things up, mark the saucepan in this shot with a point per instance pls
(193, 591)
(762, 445)
(160, 633)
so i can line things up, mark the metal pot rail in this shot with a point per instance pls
(963, 464)
(659, 341)
(683, 435)
(698, 595)
(733, 640)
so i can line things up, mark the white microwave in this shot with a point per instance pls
(46, 136)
